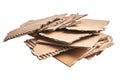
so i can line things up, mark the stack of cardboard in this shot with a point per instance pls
(67, 38)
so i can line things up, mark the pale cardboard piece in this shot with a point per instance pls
(89, 25)
(72, 56)
(31, 26)
(85, 42)
(73, 21)
(100, 46)
(64, 37)
(66, 20)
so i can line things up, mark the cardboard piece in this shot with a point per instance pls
(72, 56)
(31, 26)
(85, 42)
(64, 37)
(68, 21)
(100, 47)
(43, 51)
(89, 25)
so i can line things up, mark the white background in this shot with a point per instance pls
(17, 62)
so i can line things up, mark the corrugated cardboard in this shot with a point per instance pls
(64, 37)
(72, 56)
(43, 51)
(31, 26)
(89, 25)
(67, 38)
(69, 55)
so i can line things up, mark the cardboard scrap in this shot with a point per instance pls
(31, 26)
(64, 37)
(72, 56)
(85, 42)
(89, 25)
(68, 38)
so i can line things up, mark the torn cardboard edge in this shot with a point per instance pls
(42, 24)
(31, 26)
(68, 21)
(100, 46)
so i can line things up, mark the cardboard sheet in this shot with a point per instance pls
(72, 56)
(89, 25)
(31, 26)
(85, 42)
(64, 37)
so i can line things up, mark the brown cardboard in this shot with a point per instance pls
(73, 21)
(31, 26)
(100, 46)
(85, 42)
(64, 37)
(43, 51)
(89, 25)
(72, 56)
(67, 38)
(68, 21)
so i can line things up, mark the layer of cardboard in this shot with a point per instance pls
(64, 37)
(43, 51)
(85, 42)
(31, 26)
(67, 38)
(72, 56)
(89, 25)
